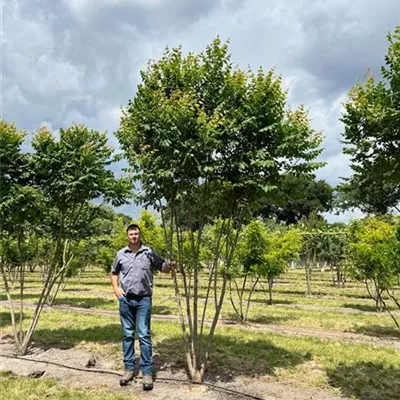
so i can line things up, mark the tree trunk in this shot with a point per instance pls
(270, 284)
(308, 278)
(12, 313)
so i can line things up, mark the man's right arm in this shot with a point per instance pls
(115, 269)
(115, 284)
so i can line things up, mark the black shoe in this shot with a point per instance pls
(147, 382)
(126, 378)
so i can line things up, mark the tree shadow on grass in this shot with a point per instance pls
(5, 319)
(361, 307)
(269, 320)
(101, 283)
(233, 319)
(378, 331)
(274, 302)
(319, 293)
(233, 355)
(161, 310)
(367, 381)
(167, 285)
(27, 296)
(109, 304)
(66, 338)
(85, 302)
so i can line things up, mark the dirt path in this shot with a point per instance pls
(349, 337)
(168, 386)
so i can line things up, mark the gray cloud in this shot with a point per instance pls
(341, 40)
(82, 58)
(79, 60)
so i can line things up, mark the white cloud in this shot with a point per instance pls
(15, 95)
(80, 7)
(345, 216)
(337, 167)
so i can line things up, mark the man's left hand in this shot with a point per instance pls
(170, 266)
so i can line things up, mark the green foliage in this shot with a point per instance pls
(374, 251)
(297, 197)
(372, 120)
(152, 233)
(20, 202)
(73, 171)
(371, 197)
(266, 250)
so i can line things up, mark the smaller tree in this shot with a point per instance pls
(374, 254)
(152, 233)
(20, 209)
(283, 247)
(264, 251)
(332, 250)
(311, 229)
(53, 189)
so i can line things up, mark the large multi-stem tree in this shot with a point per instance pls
(208, 140)
(372, 136)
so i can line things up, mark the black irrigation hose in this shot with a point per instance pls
(100, 371)
(104, 371)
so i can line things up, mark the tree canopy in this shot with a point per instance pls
(372, 136)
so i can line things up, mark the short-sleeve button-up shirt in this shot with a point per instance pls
(135, 270)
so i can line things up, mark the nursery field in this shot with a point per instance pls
(333, 344)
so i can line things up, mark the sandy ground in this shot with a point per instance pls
(168, 385)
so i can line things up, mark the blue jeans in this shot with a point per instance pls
(135, 314)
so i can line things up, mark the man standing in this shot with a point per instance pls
(132, 282)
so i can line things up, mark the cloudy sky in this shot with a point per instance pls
(78, 61)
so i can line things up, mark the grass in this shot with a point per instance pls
(260, 313)
(363, 372)
(18, 388)
(306, 361)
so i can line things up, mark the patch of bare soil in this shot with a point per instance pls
(84, 371)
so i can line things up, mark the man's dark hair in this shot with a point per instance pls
(132, 227)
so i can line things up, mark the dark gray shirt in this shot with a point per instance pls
(135, 270)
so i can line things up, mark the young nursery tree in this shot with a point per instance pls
(374, 254)
(207, 141)
(264, 252)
